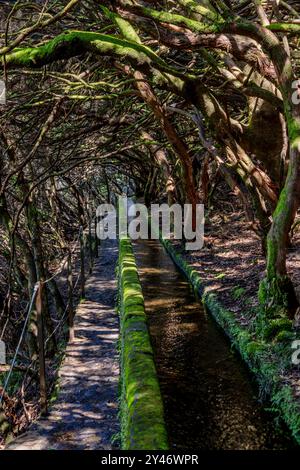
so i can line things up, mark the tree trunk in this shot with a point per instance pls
(176, 142)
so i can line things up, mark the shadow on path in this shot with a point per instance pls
(84, 416)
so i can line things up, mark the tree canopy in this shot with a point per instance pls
(164, 97)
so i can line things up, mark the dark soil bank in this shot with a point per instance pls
(210, 401)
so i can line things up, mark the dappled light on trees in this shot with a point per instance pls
(174, 101)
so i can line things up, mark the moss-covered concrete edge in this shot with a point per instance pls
(142, 415)
(258, 356)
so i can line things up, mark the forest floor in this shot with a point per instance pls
(84, 416)
(232, 262)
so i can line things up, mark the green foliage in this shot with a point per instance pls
(285, 336)
(276, 326)
(238, 292)
(254, 347)
(284, 400)
(194, 25)
(14, 383)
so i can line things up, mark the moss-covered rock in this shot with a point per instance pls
(142, 416)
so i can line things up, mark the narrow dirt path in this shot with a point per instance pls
(85, 413)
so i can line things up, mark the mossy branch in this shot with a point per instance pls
(285, 27)
(75, 43)
(176, 19)
(37, 26)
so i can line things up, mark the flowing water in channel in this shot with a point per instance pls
(209, 399)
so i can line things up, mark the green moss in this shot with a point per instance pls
(293, 126)
(142, 416)
(285, 336)
(284, 27)
(194, 25)
(276, 326)
(238, 292)
(253, 348)
(125, 27)
(73, 43)
(205, 9)
(262, 292)
(277, 300)
(284, 400)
